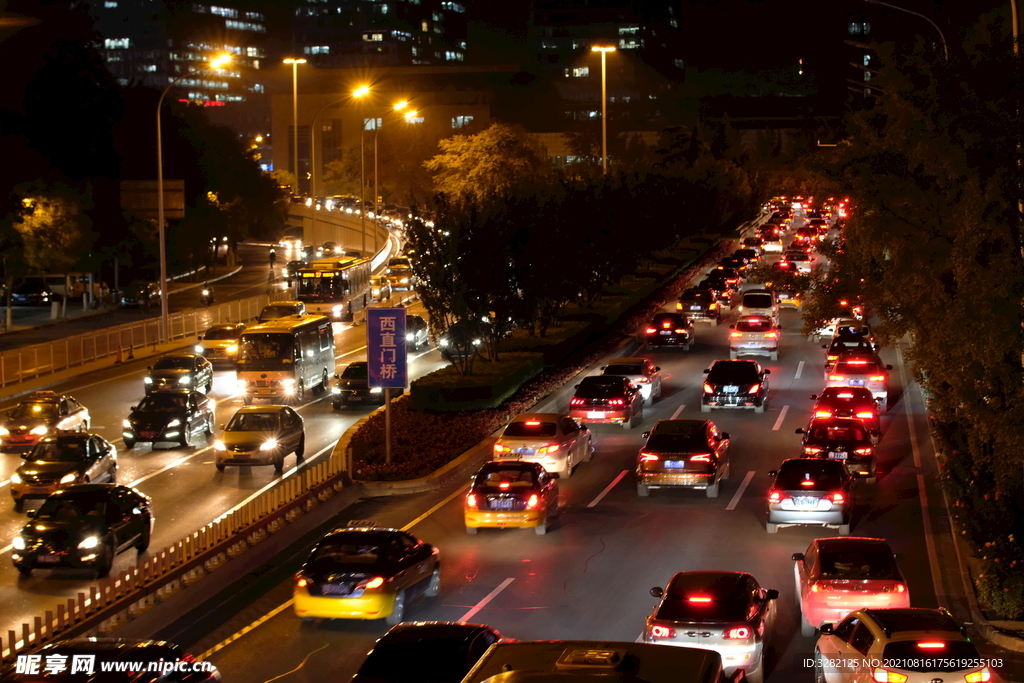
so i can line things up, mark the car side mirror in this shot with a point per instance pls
(825, 629)
(798, 430)
(657, 592)
(877, 346)
(604, 367)
(738, 676)
(32, 513)
(707, 370)
(554, 475)
(798, 557)
(199, 338)
(772, 594)
(575, 386)
(772, 473)
(645, 435)
(220, 426)
(657, 368)
(767, 371)
(814, 397)
(732, 327)
(134, 408)
(824, 346)
(888, 367)
(149, 367)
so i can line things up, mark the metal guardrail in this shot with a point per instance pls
(31, 362)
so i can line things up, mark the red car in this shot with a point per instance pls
(607, 398)
(854, 402)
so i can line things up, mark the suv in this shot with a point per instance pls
(169, 416)
(417, 332)
(353, 386)
(640, 371)
(179, 371)
(280, 309)
(669, 329)
(683, 453)
(760, 302)
(462, 339)
(613, 399)
(735, 384)
(700, 304)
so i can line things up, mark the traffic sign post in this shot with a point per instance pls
(387, 359)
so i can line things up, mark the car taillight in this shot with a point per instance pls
(833, 358)
(648, 457)
(550, 448)
(770, 335)
(754, 388)
(616, 402)
(836, 378)
(370, 584)
(701, 457)
(651, 330)
(680, 331)
(708, 389)
(735, 334)
(822, 413)
(811, 450)
(471, 501)
(699, 600)
(533, 502)
(979, 676)
(641, 380)
(302, 582)
(679, 307)
(498, 448)
(774, 497)
(837, 498)
(713, 306)
(739, 632)
(862, 451)
(666, 325)
(901, 588)
(662, 632)
(864, 414)
(821, 587)
(856, 361)
(876, 378)
(885, 676)
(576, 401)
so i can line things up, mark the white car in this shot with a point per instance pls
(556, 441)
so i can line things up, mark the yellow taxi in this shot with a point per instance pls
(512, 494)
(362, 571)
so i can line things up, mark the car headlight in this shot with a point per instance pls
(233, 348)
(39, 430)
(477, 342)
(219, 446)
(90, 542)
(4, 431)
(335, 390)
(405, 280)
(69, 478)
(269, 445)
(126, 424)
(336, 310)
(174, 423)
(198, 348)
(410, 336)
(18, 543)
(15, 479)
(148, 380)
(375, 390)
(288, 383)
(443, 342)
(185, 380)
(242, 384)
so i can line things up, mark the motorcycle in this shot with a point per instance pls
(206, 297)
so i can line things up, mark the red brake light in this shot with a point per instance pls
(662, 632)
(862, 451)
(876, 378)
(774, 497)
(648, 457)
(754, 388)
(834, 378)
(375, 582)
(810, 450)
(807, 482)
(576, 401)
(680, 331)
(708, 389)
(503, 485)
(641, 380)
(666, 325)
(930, 645)
(856, 361)
(498, 448)
(301, 582)
(616, 402)
(738, 632)
(471, 501)
(699, 600)
(651, 330)
(837, 498)
(533, 423)
(702, 457)
(533, 502)
(822, 413)
(866, 414)
(844, 394)
(901, 588)
(844, 302)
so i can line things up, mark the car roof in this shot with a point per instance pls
(178, 354)
(510, 465)
(358, 364)
(225, 326)
(679, 427)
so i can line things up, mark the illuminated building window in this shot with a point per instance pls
(224, 12)
(453, 7)
(117, 43)
(425, 26)
(373, 37)
(110, 4)
(373, 124)
(628, 43)
(317, 50)
(150, 68)
(631, 30)
(461, 121)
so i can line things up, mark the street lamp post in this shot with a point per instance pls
(945, 47)
(362, 91)
(399, 106)
(295, 115)
(164, 317)
(604, 105)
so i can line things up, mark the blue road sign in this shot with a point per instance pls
(386, 348)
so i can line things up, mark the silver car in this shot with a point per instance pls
(556, 441)
(810, 492)
(861, 371)
(754, 335)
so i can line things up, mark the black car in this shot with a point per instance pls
(844, 439)
(842, 346)
(417, 333)
(737, 263)
(669, 329)
(140, 294)
(353, 388)
(169, 417)
(700, 304)
(63, 460)
(462, 339)
(109, 655)
(180, 371)
(683, 453)
(735, 384)
(84, 526)
(33, 293)
(448, 650)
(291, 270)
(751, 254)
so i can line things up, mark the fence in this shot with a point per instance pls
(30, 362)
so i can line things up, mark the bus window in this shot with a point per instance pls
(265, 351)
(326, 338)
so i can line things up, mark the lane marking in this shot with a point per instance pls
(799, 369)
(739, 492)
(678, 410)
(435, 508)
(259, 622)
(483, 603)
(608, 488)
(782, 416)
(929, 534)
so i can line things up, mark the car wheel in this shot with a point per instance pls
(807, 629)
(434, 583)
(819, 669)
(209, 386)
(19, 504)
(323, 383)
(712, 490)
(247, 400)
(129, 444)
(643, 490)
(112, 475)
(183, 440)
(732, 355)
(471, 530)
(208, 430)
(279, 465)
(844, 529)
(541, 529)
(300, 392)
(686, 347)
(24, 571)
(307, 620)
(106, 562)
(775, 356)
(569, 464)
(300, 450)
(704, 408)
(872, 478)
(590, 451)
(143, 544)
(628, 423)
(398, 611)
(760, 406)
(220, 468)
(756, 676)
(771, 528)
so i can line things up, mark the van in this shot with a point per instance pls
(585, 661)
(760, 302)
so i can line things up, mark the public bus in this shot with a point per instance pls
(282, 359)
(336, 287)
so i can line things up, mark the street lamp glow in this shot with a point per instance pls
(410, 115)
(604, 105)
(399, 106)
(291, 60)
(221, 61)
(603, 49)
(361, 91)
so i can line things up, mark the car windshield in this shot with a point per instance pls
(838, 433)
(266, 351)
(60, 450)
(730, 371)
(759, 300)
(600, 387)
(214, 334)
(254, 422)
(705, 597)
(356, 371)
(274, 312)
(163, 403)
(350, 549)
(502, 479)
(798, 256)
(696, 295)
(74, 506)
(858, 564)
(668, 321)
(531, 428)
(36, 410)
(821, 475)
(426, 660)
(753, 325)
(852, 346)
(630, 370)
(174, 363)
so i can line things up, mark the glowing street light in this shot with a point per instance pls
(295, 115)
(604, 105)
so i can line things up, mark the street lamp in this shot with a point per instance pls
(604, 105)
(295, 115)
(215, 63)
(945, 48)
(362, 91)
(398, 106)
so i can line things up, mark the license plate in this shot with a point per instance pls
(148, 435)
(752, 345)
(524, 451)
(857, 382)
(502, 504)
(836, 456)
(354, 399)
(665, 332)
(49, 559)
(331, 589)
(675, 464)
(731, 390)
(39, 489)
(268, 392)
(595, 415)
(694, 308)
(805, 503)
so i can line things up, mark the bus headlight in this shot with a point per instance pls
(198, 348)
(336, 310)
(242, 384)
(375, 390)
(233, 349)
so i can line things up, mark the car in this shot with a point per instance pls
(447, 649)
(851, 346)
(328, 249)
(63, 460)
(730, 275)
(280, 309)
(783, 267)
(84, 526)
(417, 332)
(462, 339)
(364, 571)
(171, 416)
(291, 270)
(512, 494)
(400, 262)
(835, 576)
(849, 402)
(700, 304)
(728, 612)
(612, 399)
(772, 243)
(179, 370)
(812, 493)
(913, 644)
(754, 335)
(45, 412)
(800, 260)
(855, 371)
(399, 273)
(669, 329)
(754, 244)
(33, 292)
(260, 435)
(353, 387)
(140, 294)
(751, 255)
(641, 371)
(737, 263)
(719, 289)
(819, 224)
(852, 329)
(844, 439)
(556, 441)
(735, 384)
(760, 302)
(788, 298)
(219, 344)
(380, 288)
(808, 234)
(108, 659)
(683, 453)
